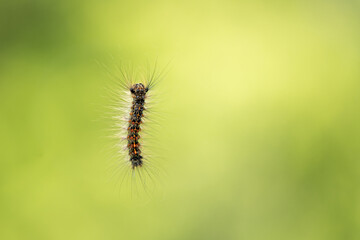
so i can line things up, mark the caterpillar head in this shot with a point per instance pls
(138, 89)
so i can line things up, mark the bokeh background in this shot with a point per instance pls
(262, 133)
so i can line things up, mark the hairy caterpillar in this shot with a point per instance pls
(134, 126)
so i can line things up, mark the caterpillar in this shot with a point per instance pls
(133, 111)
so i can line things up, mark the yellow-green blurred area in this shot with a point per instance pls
(261, 100)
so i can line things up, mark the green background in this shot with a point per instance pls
(262, 133)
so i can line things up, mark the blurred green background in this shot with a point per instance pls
(262, 132)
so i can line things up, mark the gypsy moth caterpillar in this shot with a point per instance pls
(135, 123)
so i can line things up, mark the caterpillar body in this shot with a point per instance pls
(138, 94)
